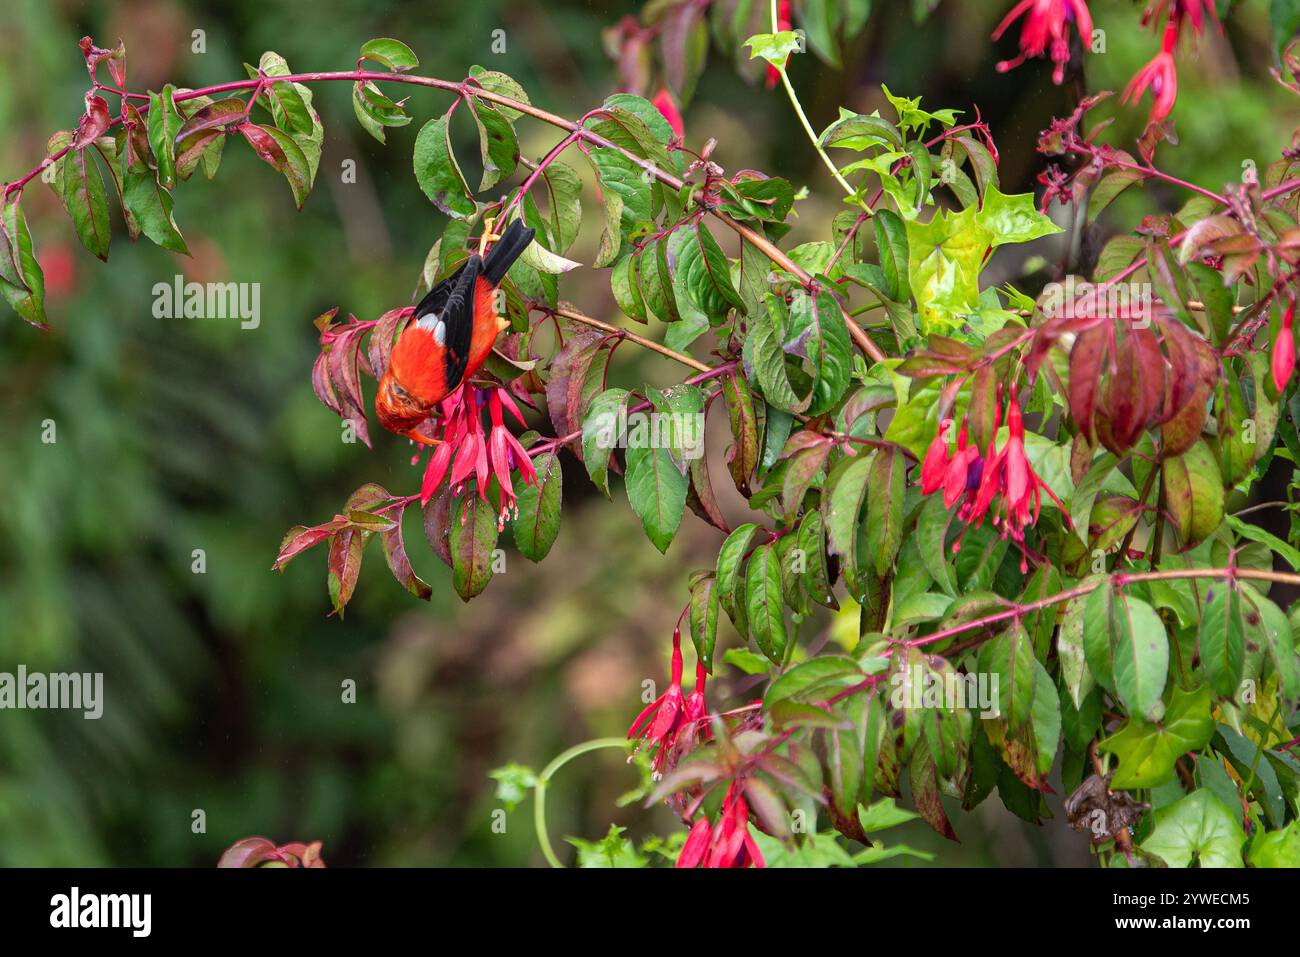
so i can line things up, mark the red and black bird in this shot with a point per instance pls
(449, 337)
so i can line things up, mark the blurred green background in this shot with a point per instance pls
(223, 689)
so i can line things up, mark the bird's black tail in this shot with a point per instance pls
(507, 249)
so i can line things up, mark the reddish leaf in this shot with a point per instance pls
(213, 117)
(437, 524)
(398, 562)
(264, 145)
(1086, 359)
(344, 566)
(569, 371)
(300, 538)
(1134, 392)
(382, 338)
(93, 124)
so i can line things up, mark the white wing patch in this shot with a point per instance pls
(433, 323)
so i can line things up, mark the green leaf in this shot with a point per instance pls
(747, 661)
(656, 491)
(86, 200)
(843, 495)
(703, 271)
(1014, 219)
(945, 256)
(857, 131)
(285, 100)
(473, 540)
(1276, 848)
(1199, 830)
(885, 494)
(23, 282)
(564, 198)
(1272, 630)
(1284, 16)
(775, 48)
(812, 541)
(437, 172)
(514, 782)
(498, 145)
(1194, 493)
(622, 176)
(1141, 655)
(817, 331)
(892, 244)
(1223, 638)
(704, 618)
(763, 602)
(1069, 650)
(1136, 645)
(538, 519)
(149, 211)
(394, 54)
(731, 559)
(1147, 751)
(374, 111)
(764, 355)
(931, 531)
(1010, 656)
(613, 850)
(502, 85)
(601, 434)
(882, 815)
(165, 121)
(815, 679)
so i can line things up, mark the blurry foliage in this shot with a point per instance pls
(223, 688)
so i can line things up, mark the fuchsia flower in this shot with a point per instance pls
(1284, 350)
(467, 452)
(672, 717)
(727, 843)
(1003, 475)
(1160, 76)
(1046, 30)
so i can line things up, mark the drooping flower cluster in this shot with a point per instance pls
(672, 718)
(726, 843)
(467, 452)
(1000, 483)
(1160, 76)
(1046, 30)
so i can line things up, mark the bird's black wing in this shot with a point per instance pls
(457, 317)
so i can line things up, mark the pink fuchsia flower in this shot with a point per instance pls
(935, 464)
(1284, 350)
(1046, 30)
(468, 453)
(957, 474)
(1160, 76)
(666, 105)
(1008, 475)
(962, 476)
(1195, 12)
(671, 718)
(726, 843)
